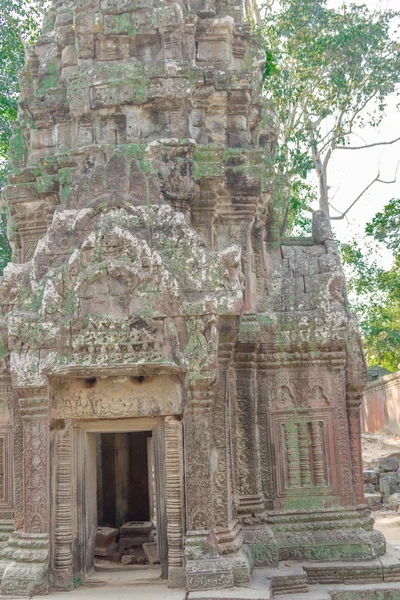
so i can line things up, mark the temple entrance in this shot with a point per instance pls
(120, 484)
(126, 502)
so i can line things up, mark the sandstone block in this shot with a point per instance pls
(374, 501)
(68, 57)
(151, 552)
(369, 488)
(389, 464)
(106, 541)
(394, 501)
(384, 485)
(134, 528)
(370, 476)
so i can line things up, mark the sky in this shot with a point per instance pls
(351, 171)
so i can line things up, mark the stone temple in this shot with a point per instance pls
(166, 355)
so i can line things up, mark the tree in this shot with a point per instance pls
(374, 290)
(330, 73)
(19, 25)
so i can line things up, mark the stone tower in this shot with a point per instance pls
(150, 290)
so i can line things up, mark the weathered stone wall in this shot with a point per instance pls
(381, 407)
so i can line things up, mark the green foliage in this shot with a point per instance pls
(329, 72)
(385, 226)
(374, 290)
(5, 248)
(19, 25)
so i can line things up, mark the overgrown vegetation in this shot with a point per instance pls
(374, 290)
(330, 73)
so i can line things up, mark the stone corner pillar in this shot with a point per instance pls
(353, 404)
(28, 569)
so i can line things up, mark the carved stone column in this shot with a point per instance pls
(62, 498)
(28, 572)
(250, 500)
(197, 426)
(354, 401)
(174, 498)
(226, 526)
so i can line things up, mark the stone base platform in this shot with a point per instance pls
(374, 579)
(377, 591)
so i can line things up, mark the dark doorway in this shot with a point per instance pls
(124, 478)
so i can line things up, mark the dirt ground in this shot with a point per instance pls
(379, 445)
(374, 447)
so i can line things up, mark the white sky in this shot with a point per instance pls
(351, 171)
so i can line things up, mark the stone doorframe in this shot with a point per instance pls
(73, 490)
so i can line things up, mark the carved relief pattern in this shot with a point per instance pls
(174, 491)
(108, 340)
(291, 444)
(2, 469)
(342, 437)
(318, 452)
(222, 474)
(245, 465)
(62, 574)
(197, 429)
(94, 404)
(35, 484)
(265, 392)
(303, 467)
(355, 441)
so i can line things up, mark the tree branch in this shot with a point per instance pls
(368, 146)
(376, 179)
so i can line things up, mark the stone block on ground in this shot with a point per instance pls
(373, 501)
(384, 484)
(151, 552)
(389, 464)
(369, 488)
(394, 501)
(134, 528)
(136, 556)
(370, 476)
(125, 544)
(106, 541)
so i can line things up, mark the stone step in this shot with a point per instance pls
(286, 579)
(377, 591)
(232, 594)
(382, 569)
(259, 589)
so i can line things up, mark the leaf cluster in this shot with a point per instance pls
(19, 26)
(374, 290)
